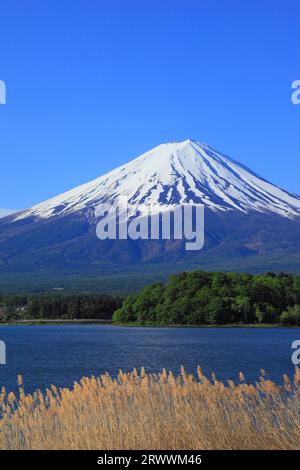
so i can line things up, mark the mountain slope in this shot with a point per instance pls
(5, 212)
(175, 173)
(250, 224)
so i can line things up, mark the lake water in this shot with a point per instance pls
(62, 354)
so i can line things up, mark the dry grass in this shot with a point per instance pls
(140, 411)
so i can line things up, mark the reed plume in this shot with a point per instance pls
(137, 410)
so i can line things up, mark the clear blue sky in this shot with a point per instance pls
(92, 84)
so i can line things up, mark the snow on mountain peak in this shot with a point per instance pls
(174, 173)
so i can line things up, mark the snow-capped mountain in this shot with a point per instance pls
(177, 173)
(250, 224)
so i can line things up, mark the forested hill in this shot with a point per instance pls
(202, 298)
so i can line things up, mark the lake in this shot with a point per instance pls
(62, 354)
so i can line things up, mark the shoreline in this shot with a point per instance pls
(43, 321)
(106, 322)
(230, 325)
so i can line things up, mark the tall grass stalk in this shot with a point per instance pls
(154, 411)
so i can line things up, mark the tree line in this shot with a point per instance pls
(69, 307)
(193, 298)
(202, 298)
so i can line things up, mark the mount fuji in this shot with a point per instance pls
(172, 174)
(250, 224)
